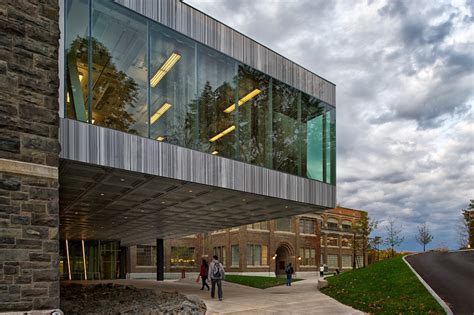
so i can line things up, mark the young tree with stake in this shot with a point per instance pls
(424, 236)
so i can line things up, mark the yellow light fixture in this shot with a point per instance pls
(160, 138)
(243, 100)
(68, 261)
(215, 152)
(80, 77)
(67, 97)
(160, 112)
(167, 65)
(84, 260)
(223, 133)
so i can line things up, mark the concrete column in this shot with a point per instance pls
(160, 259)
(29, 156)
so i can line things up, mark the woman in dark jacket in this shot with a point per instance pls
(203, 273)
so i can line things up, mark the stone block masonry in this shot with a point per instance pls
(29, 155)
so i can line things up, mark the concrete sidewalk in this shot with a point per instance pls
(301, 298)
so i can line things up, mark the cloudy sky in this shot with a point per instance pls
(405, 82)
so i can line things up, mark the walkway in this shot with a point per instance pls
(450, 275)
(301, 298)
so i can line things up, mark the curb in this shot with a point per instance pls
(430, 290)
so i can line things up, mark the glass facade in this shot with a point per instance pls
(129, 73)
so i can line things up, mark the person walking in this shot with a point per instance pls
(321, 271)
(289, 274)
(203, 273)
(216, 275)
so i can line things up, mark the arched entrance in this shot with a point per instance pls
(283, 257)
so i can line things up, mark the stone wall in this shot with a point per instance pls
(29, 151)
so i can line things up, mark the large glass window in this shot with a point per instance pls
(126, 72)
(172, 87)
(346, 261)
(76, 59)
(333, 261)
(119, 69)
(216, 116)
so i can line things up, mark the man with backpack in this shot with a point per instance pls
(216, 275)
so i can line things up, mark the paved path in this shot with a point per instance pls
(301, 298)
(450, 275)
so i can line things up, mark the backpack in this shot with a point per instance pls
(216, 271)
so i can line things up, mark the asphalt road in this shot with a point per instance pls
(450, 275)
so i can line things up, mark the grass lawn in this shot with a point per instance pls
(385, 287)
(256, 281)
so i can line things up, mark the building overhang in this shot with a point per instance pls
(115, 185)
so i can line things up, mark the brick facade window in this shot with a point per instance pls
(346, 261)
(332, 224)
(345, 242)
(346, 225)
(257, 255)
(146, 255)
(220, 252)
(308, 226)
(235, 255)
(332, 240)
(308, 256)
(332, 261)
(182, 256)
(259, 226)
(284, 224)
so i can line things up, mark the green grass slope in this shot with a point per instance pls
(386, 287)
(256, 281)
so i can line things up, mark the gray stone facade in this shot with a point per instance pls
(29, 151)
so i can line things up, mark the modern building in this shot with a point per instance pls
(262, 248)
(133, 121)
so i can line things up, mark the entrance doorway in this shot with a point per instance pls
(283, 257)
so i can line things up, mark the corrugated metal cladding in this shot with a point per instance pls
(204, 29)
(101, 146)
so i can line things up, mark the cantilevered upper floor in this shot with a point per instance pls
(161, 89)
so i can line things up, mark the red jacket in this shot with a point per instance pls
(203, 271)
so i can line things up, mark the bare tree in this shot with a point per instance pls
(394, 237)
(362, 229)
(375, 243)
(424, 236)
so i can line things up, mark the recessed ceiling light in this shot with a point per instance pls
(243, 199)
(286, 207)
(101, 194)
(163, 202)
(122, 179)
(125, 217)
(142, 210)
(75, 212)
(190, 190)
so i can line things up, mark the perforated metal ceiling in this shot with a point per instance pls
(103, 203)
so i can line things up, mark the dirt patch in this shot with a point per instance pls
(119, 299)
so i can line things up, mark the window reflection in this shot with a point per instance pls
(216, 92)
(76, 53)
(255, 133)
(119, 71)
(149, 80)
(172, 87)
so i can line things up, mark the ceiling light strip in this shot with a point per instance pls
(167, 65)
(68, 260)
(243, 100)
(223, 133)
(160, 112)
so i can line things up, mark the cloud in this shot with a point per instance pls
(404, 76)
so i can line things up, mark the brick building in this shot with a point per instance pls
(263, 248)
